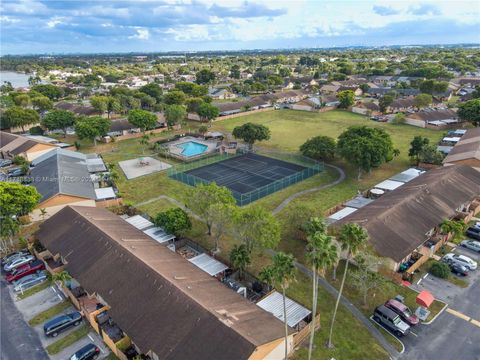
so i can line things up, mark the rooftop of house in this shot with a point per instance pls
(397, 222)
(467, 148)
(146, 284)
(17, 144)
(62, 171)
(434, 115)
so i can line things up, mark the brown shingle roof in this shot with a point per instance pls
(434, 115)
(12, 144)
(468, 148)
(397, 222)
(162, 301)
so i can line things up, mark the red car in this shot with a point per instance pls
(25, 270)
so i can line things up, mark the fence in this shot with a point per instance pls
(312, 168)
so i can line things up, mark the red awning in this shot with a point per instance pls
(425, 299)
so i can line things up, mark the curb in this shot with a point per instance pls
(388, 331)
(439, 313)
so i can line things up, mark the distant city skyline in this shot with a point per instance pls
(50, 26)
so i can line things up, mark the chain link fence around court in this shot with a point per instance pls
(311, 168)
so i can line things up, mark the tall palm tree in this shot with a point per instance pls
(281, 272)
(352, 238)
(321, 254)
(240, 258)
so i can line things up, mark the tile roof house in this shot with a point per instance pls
(432, 117)
(12, 145)
(466, 151)
(77, 109)
(168, 307)
(62, 178)
(400, 221)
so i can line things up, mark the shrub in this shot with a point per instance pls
(440, 270)
(36, 130)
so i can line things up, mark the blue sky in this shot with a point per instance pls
(50, 26)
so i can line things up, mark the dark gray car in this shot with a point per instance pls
(61, 323)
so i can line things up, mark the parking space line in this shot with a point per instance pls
(475, 322)
(411, 332)
(59, 297)
(91, 338)
(458, 314)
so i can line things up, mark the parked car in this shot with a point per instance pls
(391, 320)
(473, 232)
(471, 244)
(88, 352)
(402, 310)
(460, 270)
(61, 323)
(15, 172)
(29, 281)
(477, 225)
(18, 261)
(24, 270)
(455, 259)
(13, 255)
(5, 162)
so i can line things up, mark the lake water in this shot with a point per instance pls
(17, 79)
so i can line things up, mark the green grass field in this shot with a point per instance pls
(289, 130)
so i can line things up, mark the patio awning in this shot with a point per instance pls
(208, 264)
(340, 214)
(105, 193)
(425, 299)
(388, 185)
(159, 235)
(139, 222)
(273, 303)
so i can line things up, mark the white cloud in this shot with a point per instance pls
(8, 19)
(52, 22)
(142, 34)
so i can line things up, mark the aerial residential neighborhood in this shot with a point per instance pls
(239, 180)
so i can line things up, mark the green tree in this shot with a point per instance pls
(202, 197)
(423, 100)
(430, 155)
(175, 97)
(145, 120)
(22, 100)
(321, 254)
(440, 270)
(202, 129)
(208, 111)
(385, 101)
(51, 91)
(454, 227)
(175, 114)
(399, 118)
(174, 221)
(144, 142)
(470, 111)
(153, 90)
(319, 148)
(193, 104)
(92, 127)
(240, 259)
(283, 272)
(58, 119)
(352, 238)
(221, 216)
(365, 147)
(63, 277)
(99, 103)
(205, 76)
(346, 98)
(416, 146)
(18, 117)
(256, 227)
(366, 277)
(42, 103)
(251, 132)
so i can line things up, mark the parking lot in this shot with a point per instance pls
(455, 333)
(32, 340)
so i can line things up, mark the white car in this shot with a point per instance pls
(452, 258)
(471, 244)
(18, 261)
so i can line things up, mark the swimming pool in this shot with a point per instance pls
(192, 148)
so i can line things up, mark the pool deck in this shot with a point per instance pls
(176, 150)
(135, 168)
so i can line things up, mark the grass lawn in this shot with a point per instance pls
(49, 313)
(33, 290)
(68, 340)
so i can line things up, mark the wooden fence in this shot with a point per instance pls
(300, 336)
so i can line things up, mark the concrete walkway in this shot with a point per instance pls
(350, 307)
(292, 197)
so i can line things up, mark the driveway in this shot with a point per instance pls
(38, 302)
(18, 341)
(455, 334)
(92, 337)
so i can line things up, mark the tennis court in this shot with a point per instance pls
(249, 176)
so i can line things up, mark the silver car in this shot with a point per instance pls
(18, 261)
(29, 281)
(455, 259)
(471, 244)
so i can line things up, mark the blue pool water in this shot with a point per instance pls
(192, 148)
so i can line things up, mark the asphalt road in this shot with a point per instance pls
(450, 336)
(18, 341)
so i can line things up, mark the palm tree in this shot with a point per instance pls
(352, 238)
(43, 213)
(455, 227)
(321, 254)
(240, 258)
(144, 142)
(281, 272)
(63, 277)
